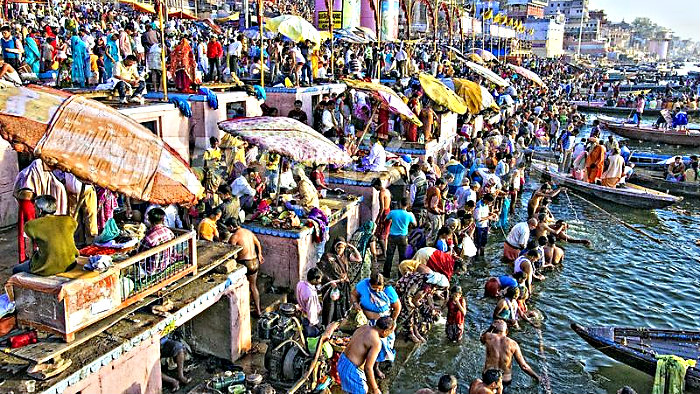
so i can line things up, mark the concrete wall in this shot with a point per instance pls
(171, 125)
(8, 173)
(224, 329)
(204, 120)
(137, 372)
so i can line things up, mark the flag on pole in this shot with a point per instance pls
(487, 14)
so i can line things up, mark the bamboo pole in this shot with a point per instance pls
(329, 8)
(164, 71)
(262, 42)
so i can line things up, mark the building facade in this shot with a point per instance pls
(523, 9)
(548, 38)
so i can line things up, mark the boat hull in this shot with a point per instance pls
(603, 339)
(621, 196)
(653, 135)
(625, 110)
(657, 182)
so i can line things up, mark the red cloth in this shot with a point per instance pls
(94, 250)
(214, 49)
(383, 120)
(492, 287)
(443, 263)
(454, 315)
(25, 213)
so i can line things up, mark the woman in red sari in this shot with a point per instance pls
(183, 66)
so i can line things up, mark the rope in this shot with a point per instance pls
(545, 369)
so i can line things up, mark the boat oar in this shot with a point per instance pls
(629, 226)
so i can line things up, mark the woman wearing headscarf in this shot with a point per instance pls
(80, 69)
(183, 65)
(111, 54)
(335, 267)
(32, 54)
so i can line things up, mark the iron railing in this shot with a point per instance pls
(149, 271)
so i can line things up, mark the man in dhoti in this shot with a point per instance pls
(616, 167)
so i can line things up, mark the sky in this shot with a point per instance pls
(681, 16)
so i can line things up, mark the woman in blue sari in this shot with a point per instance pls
(111, 55)
(376, 300)
(32, 54)
(80, 69)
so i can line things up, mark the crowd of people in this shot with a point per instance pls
(421, 242)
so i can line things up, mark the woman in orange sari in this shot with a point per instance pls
(595, 162)
(183, 66)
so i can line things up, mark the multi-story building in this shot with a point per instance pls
(523, 9)
(548, 40)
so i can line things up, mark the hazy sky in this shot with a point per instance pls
(681, 16)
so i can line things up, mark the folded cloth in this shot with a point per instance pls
(117, 245)
(93, 250)
(212, 99)
(110, 232)
(98, 263)
(6, 306)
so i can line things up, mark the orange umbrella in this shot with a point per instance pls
(97, 144)
(181, 14)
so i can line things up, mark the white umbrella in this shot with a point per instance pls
(488, 74)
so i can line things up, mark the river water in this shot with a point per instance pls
(624, 279)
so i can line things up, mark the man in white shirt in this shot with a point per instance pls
(88, 209)
(401, 57)
(616, 167)
(327, 121)
(234, 53)
(376, 160)
(517, 239)
(240, 187)
(172, 216)
(464, 193)
(482, 216)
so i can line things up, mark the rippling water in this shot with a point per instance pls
(624, 279)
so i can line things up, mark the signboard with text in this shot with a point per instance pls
(323, 20)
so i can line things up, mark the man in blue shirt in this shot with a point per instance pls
(400, 220)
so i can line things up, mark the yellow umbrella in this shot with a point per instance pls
(142, 7)
(475, 58)
(388, 97)
(441, 94)
(295, 28)
(476, 96)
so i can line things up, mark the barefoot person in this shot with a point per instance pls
(170, 348)
(500, 351)
(357, 363)
(250, 256)
(384, 208)
(491, 382)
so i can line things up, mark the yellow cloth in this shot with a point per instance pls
(670, 371)
(93, 63)
(78, 273)
(408, 266)
(309, 195)
(441, 94)
(130, 73)
(207, 229)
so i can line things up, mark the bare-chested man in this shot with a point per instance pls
(560, 224)
(250, 256)
(491, 382)
(544, 191)
(446, 385)
(553, 255)
(384, 209)
(500, 351)
(356, 364)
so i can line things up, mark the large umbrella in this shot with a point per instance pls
(180, 14)
(484, 54)
(488, 74)
(287, 137)
(473, 57)
(295, 28)
(388, 97)
(441, 94)
(141, 7)
(254, 33)
(476, 96)
(97, 144)
(531, 75)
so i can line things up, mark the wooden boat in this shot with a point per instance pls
(637, 347)
(600, 107)
(630, 195)
(646, 160)
(690, 137)
(656, 181)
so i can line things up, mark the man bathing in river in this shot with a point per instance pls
(491, 382)
(356, 364)
(544, 191)
(446, 385)
(500, 351)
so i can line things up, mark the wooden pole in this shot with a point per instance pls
(164, 71)
(262, 42)
(629, 226)
(329, 7)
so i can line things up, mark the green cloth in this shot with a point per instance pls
(53, 236)
(671, 369)
(108, 233)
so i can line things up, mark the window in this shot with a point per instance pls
(235, 109)
(153, 126)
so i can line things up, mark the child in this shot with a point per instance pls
(456, 309)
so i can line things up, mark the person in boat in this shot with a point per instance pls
(501, 350)
(595, 130)
(691, 174)
(491, 382)
(616, 167)
(680, 119)
(595, 162)
(610, 145)
(676, 170)
(639, 108)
